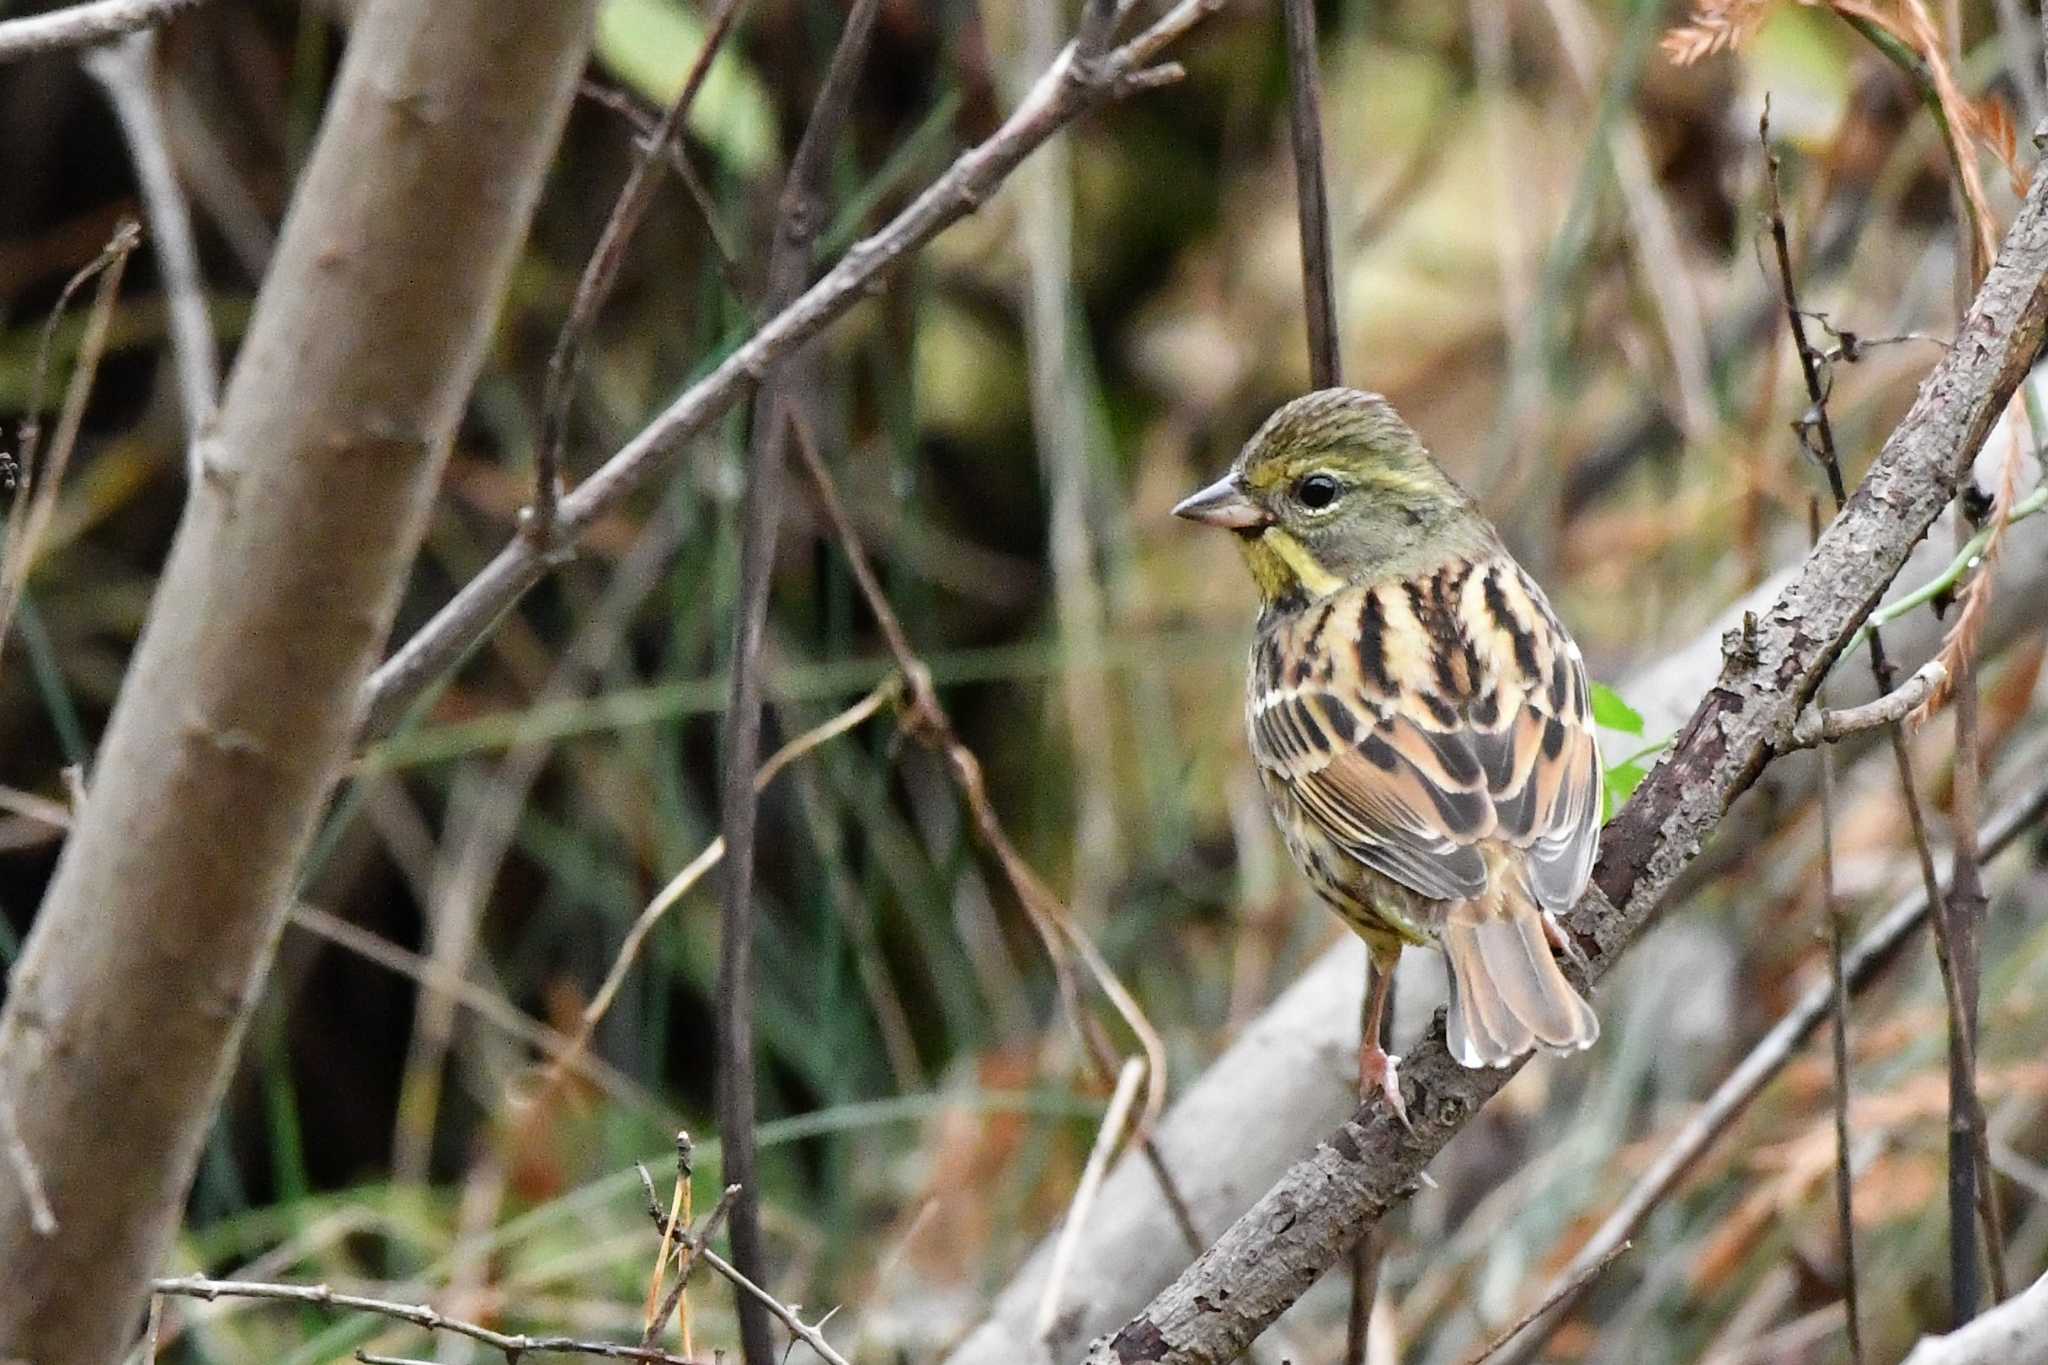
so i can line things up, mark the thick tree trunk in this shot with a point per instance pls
(124, 1013)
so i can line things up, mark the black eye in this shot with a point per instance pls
(1316, 492)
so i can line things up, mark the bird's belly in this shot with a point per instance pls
(1379, 909)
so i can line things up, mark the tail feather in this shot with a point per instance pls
(1507, 991)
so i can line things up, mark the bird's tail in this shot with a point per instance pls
(1507, 991)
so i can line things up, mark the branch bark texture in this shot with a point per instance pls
(1772, 666)
(129, 1000)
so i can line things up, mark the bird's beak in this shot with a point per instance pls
(1223, 503)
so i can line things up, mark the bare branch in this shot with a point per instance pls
(419, 1315)
(1106, 1136)
(1569, 1288)
(1822, 726)
(1838, 933)
(1060, 96)
(125, 71)
(1312, 195)
(800, 214)
(83, 25)
(1370, 1164)
(565, 363)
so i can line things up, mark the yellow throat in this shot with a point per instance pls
(1280, 565)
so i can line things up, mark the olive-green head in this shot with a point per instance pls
(1336, 489)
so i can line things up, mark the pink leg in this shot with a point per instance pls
(1379, 1072)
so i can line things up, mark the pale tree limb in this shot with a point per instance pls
(2011, 1331)
(83, 25)
(1773, 666)
(234, 719)
(1064, 93)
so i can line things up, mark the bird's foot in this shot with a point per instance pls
(1566, 944)
(1379, 1070)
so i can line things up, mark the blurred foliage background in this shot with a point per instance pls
(1549, 252)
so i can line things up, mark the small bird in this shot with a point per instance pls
(1420, 720)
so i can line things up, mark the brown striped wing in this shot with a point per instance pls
(1416, 723)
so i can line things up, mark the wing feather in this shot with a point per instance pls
(1411, 722)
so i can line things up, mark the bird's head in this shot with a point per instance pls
(1336, 489)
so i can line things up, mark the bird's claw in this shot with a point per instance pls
(1379, 1070)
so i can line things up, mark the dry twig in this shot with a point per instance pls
(799, 216)
(513, 1345)
(83, 25)
(601, 272)
(37, 475)
(125, 70)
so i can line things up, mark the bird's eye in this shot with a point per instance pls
(1316, 492)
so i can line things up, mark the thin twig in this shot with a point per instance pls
(1967, 905)
(677, 1303)
(1569, 1288)
(799, 216)
(680, 885)
(1838, 933)
(1861, 966)
(421, 1315)
(1942, 585)
(38, 476)
(125, 70)
(83, 25)
(1817, 438)
(678, 1224)
(1311, 193)
(785, 1313)
(1114, 1120)
(1821, 725)
(647, 127)
(1061, 95)
(600, 273)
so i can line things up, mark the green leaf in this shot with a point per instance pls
(1610, 712)
(1622, 780)
(650, 45)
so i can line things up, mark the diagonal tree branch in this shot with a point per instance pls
(1773, 665)
(1064, 93)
